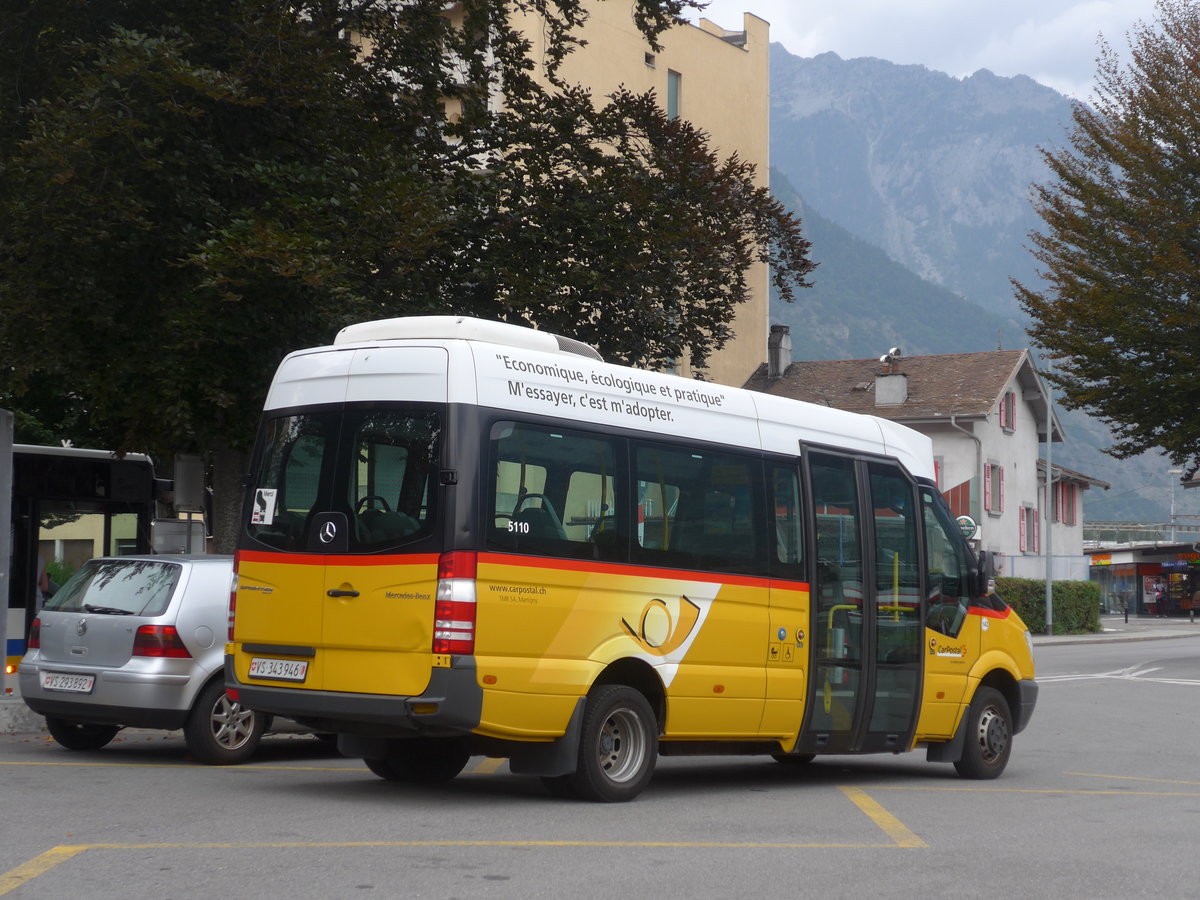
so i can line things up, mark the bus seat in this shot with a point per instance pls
(541, 522)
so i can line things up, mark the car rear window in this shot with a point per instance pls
(118, 587)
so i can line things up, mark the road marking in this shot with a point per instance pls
(14, 878)
(1133, 778)
(900, 837)
(1073, 791)
(891, 826)
(488, 765)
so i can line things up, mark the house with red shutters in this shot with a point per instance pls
(989, 415)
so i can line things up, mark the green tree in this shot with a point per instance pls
(1120, 250)
(190, 190)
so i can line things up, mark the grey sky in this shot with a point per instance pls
(1052, 41)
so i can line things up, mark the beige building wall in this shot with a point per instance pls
(723, 90)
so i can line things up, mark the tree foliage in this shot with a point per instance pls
(189, 190)
(1120, 249)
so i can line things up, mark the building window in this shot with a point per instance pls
(674, 86)
(1008, 411)
(650, 60)
(1030, 537)
(1066, 500)
(993, 488)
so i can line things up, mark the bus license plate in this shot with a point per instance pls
(71, 684)
(278, 669)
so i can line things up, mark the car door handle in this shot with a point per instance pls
(339, 593)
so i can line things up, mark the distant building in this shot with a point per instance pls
(986, 414)
(714, 78)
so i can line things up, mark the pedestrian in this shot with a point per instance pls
(1160, 601)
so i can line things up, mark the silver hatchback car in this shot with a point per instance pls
(138, 641)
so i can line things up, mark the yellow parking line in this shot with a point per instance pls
(489, 765)
(14, 878)
(891, 826)
(899, 834)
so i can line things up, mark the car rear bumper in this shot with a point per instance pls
(118, 697)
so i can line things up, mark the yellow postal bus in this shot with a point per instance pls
(465, 537)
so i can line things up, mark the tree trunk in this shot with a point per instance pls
(228, 479)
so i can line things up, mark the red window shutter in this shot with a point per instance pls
(1001, 504)
(1021, 526)
(987, 486)
(1037, 535)
(1012, 410)
(1004, 411)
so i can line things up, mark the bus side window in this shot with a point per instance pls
(699, 510)
(945, 569)
(788, 559)
(554, 493)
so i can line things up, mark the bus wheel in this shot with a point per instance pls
(618, 747)
(989, 736)
(80, 735)
(422, 760)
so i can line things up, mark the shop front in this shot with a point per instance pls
(1150, 581)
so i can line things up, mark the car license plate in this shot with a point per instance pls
(278, 669)
(71, 684)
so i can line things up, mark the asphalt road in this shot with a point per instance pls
(1101, 800)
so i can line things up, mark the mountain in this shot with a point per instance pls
(933, 169)
(862, 301)
(913, 187)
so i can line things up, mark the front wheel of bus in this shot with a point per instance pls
(989, 736)
(422, 760)
(618, 747)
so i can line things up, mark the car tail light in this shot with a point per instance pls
(159, 641)
(35, 636)
(454, 608)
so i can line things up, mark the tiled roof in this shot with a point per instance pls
(959, 384)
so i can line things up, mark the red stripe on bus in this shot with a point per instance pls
(346, 559)
(508, 559)
(990, 613)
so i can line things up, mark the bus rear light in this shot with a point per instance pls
(35, 636)
(159, 641)
(454, 608)
(233, 585)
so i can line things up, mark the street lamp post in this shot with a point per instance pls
(1174, 481)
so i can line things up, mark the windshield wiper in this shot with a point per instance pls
(108, 610)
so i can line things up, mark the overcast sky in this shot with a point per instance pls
(1052, 41)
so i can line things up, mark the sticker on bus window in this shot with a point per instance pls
(264, 506)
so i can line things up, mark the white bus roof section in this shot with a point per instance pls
(461, 328)
(507, 367)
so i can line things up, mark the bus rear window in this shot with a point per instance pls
(378, 468)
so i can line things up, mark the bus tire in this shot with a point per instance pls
(989, 736)
(80, 735)
(618, 745)
(422, 760)
(220, 731)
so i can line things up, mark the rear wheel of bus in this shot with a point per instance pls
(989, 736)
(421, 760)
(618, 747)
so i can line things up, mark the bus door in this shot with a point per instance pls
(340, 554)
(864, 690)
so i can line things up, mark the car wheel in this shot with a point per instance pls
(80, 735)
(989, 736)
(220, 731)
(618, 746)
(422, 760)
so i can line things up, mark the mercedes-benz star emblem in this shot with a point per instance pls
(328, 532)
(81, 627)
